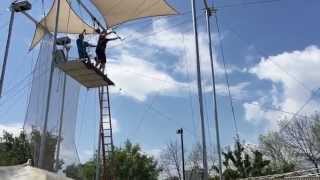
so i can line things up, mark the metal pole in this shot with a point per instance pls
(180, 131)
(91, 15)
(204, 146)
(61, 114)
(44, 132)
(208, 14)
(4, 64)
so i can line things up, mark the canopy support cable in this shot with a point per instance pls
(91, 15)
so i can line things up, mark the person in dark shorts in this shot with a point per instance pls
(101, 49)
(82, 47)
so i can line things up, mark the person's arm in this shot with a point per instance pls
(112, 39)
(88, 44)
(108, 33)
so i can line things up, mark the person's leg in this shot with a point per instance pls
(98, 59)
(87, 58)
(103, 62)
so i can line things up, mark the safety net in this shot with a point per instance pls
(61, 118)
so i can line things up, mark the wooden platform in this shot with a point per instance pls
(85, 73)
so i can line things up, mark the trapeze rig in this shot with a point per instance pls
(84, 73)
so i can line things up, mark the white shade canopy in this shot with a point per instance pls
(114, 12)
(69, 22)
(119, 11)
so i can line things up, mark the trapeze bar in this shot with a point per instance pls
(85, 73)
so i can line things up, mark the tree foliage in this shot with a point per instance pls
(171, 160)
(239, 162)
(128, 162)
(14, 150)
(281, 155)
(301, 135)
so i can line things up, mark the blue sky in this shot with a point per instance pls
(272, 54)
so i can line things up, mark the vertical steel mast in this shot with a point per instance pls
(41, 163)
(204, 146)
(209, 12)
(15, 7)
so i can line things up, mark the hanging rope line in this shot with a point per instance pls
(165, 116)
(190, 90)
(227, 79)
(313, 95)
(156, 32)
(247, 3)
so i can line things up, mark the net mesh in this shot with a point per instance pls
(36, 112)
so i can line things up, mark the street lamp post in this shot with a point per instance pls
(180, 131)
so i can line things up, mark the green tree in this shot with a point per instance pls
(282, 157)
(14, 150)
(128, 162)
(131, 163)
(50, 149)
(242, 163)
(86, 171)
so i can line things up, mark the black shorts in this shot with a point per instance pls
(101, 57)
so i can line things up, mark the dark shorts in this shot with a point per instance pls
(101, 57)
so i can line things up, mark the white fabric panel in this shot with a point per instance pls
(69, 22)
(119, 11)
(24, 172)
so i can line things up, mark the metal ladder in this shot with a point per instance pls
(106, 132)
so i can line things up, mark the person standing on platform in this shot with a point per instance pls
(101, 49)
(82, 47)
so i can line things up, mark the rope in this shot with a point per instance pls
(299, 110)
(227, 80)
(247, 3)
(189, 85)
(157, 32)
(165, 116)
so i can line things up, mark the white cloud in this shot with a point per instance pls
(140, 71)
(238, 91)
(287, 92)
(115, 125)
(155, 153)
(14, 129)
(85, 155)
(253, 111)
(139, 78)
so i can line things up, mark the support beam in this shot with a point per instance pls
(41, 162)
(6, 53)
(208, 15)
(204, 145)
(15, 7)
(61, 113)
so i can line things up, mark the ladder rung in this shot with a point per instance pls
(108, 136)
